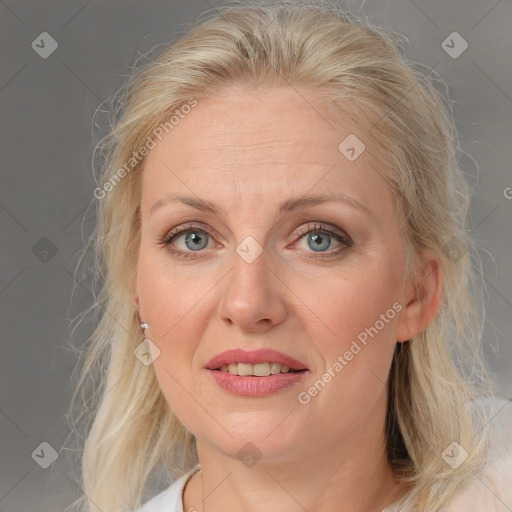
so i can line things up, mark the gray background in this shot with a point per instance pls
(47, 106)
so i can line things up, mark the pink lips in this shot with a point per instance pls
(251, 385)
(253, 357)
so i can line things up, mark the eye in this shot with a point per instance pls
(194, 239)
(319, 239)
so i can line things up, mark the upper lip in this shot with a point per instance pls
(253, 357)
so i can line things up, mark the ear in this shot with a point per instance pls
(137, 307)
(422, 298)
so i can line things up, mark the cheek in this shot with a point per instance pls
(175, 314)
(170, 306)
(350, 305)
(353, 330)
(177, 306)
(170, 296)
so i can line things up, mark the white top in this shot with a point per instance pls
(170, 500)
(490, 491)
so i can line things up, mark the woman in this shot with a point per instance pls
(292, 315)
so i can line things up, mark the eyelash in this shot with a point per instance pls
(315, 229)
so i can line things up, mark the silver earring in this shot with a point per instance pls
(144, 326)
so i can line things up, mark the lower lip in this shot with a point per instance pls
(256, 386)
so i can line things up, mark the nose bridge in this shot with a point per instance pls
(252, 293)
(250, 279)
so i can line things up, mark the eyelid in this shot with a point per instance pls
(183, 228)
(311, 227)
(324, 228)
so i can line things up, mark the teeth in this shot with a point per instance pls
(258, 370)
(275, 368)
(244, 369)
(261, 369)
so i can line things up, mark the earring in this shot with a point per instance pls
(144, 326)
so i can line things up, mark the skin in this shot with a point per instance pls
(243, 150)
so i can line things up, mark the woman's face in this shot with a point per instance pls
(246, 278)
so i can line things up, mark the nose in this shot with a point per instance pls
(253, 296)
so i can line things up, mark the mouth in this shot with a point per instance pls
(257, 370)
(256, 363)
(256, 373)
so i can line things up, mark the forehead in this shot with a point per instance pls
(248, 146)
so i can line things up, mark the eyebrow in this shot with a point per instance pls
(285, 207)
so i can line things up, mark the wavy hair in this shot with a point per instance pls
(131, 431)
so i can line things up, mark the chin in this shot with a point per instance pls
(257, 435)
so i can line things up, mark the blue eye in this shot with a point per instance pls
(319, 239)
(196, 239)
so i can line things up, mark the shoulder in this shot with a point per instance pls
(491, 490)
(169, 500)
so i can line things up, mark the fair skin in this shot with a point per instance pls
(247, 152)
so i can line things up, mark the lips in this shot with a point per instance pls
(253, 357)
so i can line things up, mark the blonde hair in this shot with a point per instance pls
(132, 431)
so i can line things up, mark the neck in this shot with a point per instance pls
(353, 477)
